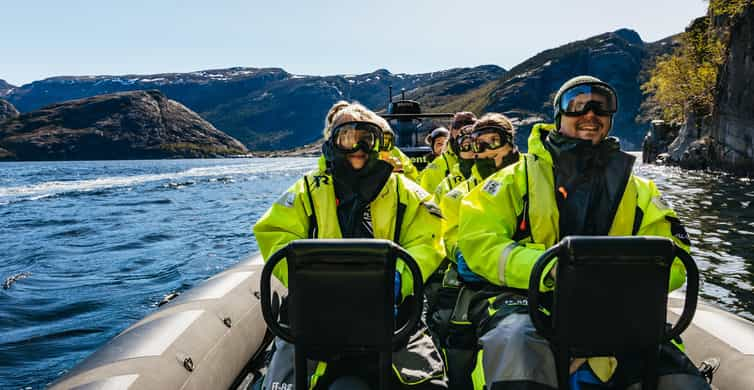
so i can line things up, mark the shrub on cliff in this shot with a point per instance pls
(728, 7)
(685, 80)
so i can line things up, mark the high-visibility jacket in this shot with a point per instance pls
(437, 170)
(408, 167)
(506, 223)
(449, 182)
(451, 201)
(402, 212)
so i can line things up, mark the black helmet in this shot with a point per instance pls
(435, 134)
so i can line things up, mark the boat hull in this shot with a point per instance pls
(205, 337)
(202, 339)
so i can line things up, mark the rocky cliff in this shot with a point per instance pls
(525, 92)
(263, 108)
(127, 125)
(7, 111)
(733, 112)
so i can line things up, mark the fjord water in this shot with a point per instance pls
(99, 244)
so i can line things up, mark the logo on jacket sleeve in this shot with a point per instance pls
(454, 194)
(415, 188)
(286, 199)
(433, 209)
(491, 187)
(660, 203)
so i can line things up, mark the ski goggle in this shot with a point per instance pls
(490, 138)
(580, 99)
(352, 136)
(388, 141)
(466, 144)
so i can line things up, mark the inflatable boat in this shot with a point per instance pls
(214, 336)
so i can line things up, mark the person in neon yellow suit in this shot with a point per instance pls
(574, 180)
(354, 194)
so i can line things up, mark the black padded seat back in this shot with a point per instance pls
(610, 298)
(623, 282)
(328, 282)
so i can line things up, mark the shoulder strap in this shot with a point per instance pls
(447, 164)
(313, 228)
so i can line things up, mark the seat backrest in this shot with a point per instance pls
(611, 298)
(611, 293)
(333, 280)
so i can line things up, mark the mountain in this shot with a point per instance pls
(265, 108)
(525, 92)
(5, 87)
(126, 125)
(7, 111)
(271, 109)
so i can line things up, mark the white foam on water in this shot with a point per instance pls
(52, 188)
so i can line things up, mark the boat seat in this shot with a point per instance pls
(610, 297)
(340, 300)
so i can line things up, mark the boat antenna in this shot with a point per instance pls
(389, 94)
(403, 93)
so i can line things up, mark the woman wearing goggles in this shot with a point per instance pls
(356, 139)
(463, 169)
(354, 194)
(493, 144)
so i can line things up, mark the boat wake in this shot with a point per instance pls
(173, 180)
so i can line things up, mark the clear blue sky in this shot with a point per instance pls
(43, 38)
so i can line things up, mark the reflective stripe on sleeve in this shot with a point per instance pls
(504, 260)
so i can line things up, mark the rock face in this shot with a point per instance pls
(263, 108)
(525, 93)
(658, 139)
(128, 125)
(7, 111)
(733, 113)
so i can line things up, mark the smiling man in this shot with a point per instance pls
(574, 181)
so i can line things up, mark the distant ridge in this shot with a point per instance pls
(271, 109)
(526, 91)
(265, 108)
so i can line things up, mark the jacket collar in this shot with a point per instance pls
(536, 143)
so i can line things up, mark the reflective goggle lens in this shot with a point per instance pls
(352, 136)
(582, 98)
